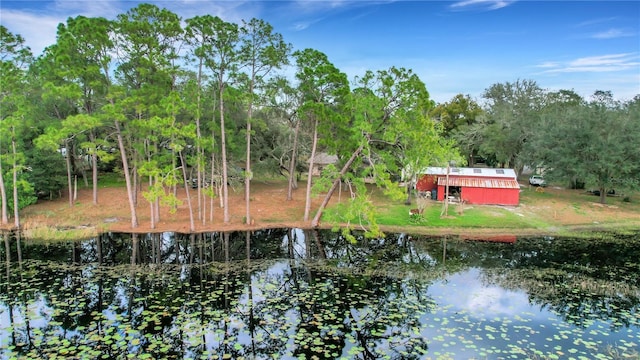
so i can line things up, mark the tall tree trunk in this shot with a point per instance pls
(199, 152)
(345, 168)
(69, 177)
(137, 183)
(3, 193)
(94, 169)
(212, 184)
(409, 186)
(152, 206)
(16, 214)
(292, 163)
(247, 169)
(192, 226)
(223, 144)
(127, 177)
(174, 182)
(307, 204)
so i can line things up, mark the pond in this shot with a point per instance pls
(315, 295)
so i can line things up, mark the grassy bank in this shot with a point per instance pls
(554, 211)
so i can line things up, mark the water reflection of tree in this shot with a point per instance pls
(367, 316)
(148, 310)
(62, 296)
(581, 280)
(333, 297)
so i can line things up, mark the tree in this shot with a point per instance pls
(15, 57)
(199, 34)
(384, 106)
(513, 113)
(147, 46)
(46, 173)
(594, 141)
(421, 144)
(79, 56)
(322, 87)
(457, 118)
(262, 51)
(220, 53)
(282, 101)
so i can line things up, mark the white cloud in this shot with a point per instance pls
(488, 4)
(548, 65)
(38, 31)
(611, 34)
(106, 9)
(39, 27)
(602, 63)
(596, 21)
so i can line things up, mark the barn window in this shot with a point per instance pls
(499, 171)
(455, 170)
(477, 171)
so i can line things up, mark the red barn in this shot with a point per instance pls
(473, 185)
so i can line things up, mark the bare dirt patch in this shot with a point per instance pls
(268, 204)
(270, 209)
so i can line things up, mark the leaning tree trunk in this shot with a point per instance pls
(192, 226)
(316, 219)
(69, 178)
(307, 205)
(127, 177)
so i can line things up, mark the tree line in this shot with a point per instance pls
(204, 104)
(575, 142)
(201, 104)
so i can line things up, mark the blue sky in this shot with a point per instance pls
(456, 47)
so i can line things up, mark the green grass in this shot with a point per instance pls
(111, 179)
(497, 217)
(470, 217)
(50, 234)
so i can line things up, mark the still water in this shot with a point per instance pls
(294, 294)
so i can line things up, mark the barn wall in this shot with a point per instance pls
(491, 196)
(486, 196)
(427, 183)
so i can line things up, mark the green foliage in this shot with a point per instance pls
(111, 179)
(357, 212)
(595, 142)
(46, 172)
(26, 192)
(513, 116)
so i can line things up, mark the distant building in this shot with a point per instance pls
(472, 185)
(321, 160)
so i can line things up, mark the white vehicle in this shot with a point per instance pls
(537, 180)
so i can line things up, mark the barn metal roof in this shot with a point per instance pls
(479, 183)
(475, 172)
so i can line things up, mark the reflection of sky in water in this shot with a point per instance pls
(36, 314)
(465, 292)
(472, 319)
